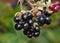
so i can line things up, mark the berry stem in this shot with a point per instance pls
(42, 0)
(20, 3)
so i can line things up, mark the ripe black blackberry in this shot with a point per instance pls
(31, 20)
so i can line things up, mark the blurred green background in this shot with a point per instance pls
(49, 34)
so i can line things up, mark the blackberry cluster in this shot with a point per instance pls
(31, 24)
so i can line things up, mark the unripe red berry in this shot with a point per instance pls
(56, 9)
(52, 6)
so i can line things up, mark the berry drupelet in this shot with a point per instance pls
(25, 17)
(25, 26)
(30, 16)
(30, 22)
(16, 19)
(18, 26)
(48, 20)
(41, 20)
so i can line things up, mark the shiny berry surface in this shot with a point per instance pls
(25, 17)
(47, 20)
(16, 19)
(56, 9)
(30, 22)
(41, 20)
(55, 6)
(36, 34)
(52, 6)
(37, 28)
(18, 26)
(30, 35)
(26, 26)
